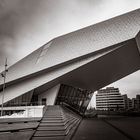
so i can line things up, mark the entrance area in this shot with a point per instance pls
(44, 101)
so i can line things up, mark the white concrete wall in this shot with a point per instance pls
(29, 111)
(50, 95)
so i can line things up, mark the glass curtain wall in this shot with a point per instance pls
(76, 98)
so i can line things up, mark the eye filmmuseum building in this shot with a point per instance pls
(68, 69)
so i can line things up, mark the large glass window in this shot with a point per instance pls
(76, 98)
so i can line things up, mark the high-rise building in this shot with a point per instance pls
(109, 99)
(130, 106)
(128, 103)
(138, 101)
(133, 103)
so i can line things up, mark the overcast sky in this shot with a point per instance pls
(25, 25)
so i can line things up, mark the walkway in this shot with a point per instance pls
(109, 129)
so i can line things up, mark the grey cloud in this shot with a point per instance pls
(12, 15)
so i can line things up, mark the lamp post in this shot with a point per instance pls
(4, 78)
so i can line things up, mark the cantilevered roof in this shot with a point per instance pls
(77, 44)
(89, 58)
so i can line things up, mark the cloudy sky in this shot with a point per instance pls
(25, 25)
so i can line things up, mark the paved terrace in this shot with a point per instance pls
(57, 125)
(18, 128)
(127, 128)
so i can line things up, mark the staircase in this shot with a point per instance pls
(58, 123)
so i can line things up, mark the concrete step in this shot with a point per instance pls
(64, 120)
(51, 119)
(55, 124)
(56, 127)
(53, 128)
(57, 117)
(49, 133)
(49, 138)
(56, 114)
(51, 124)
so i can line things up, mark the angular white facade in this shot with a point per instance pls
(90, 58)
